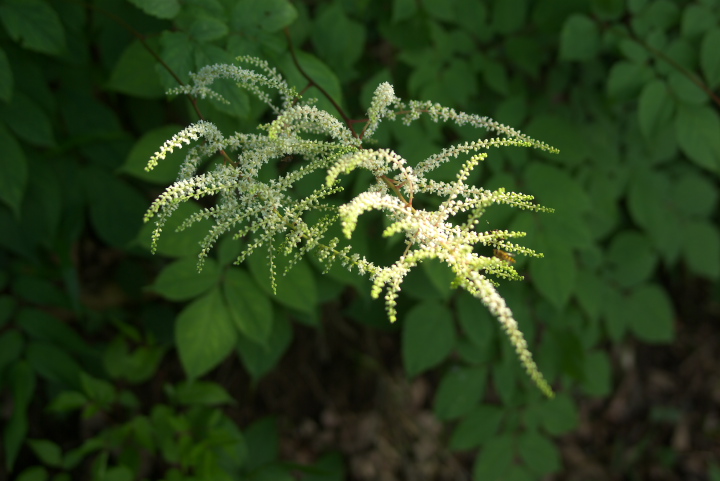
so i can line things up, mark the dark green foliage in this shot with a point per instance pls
(92, 328)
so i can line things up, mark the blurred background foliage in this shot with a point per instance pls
(102, 346)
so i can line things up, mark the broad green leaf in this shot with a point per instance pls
(539, 453)
(559, 415)
(403, 10)
(608, 9)
(67, 401)
(495, 76)
(561, 132)
(694, 195)
(21, 381)
(200, 393)
(167, 169)
(696, 20)
(655, 108)
(134, 72)
(6, 78)
(507, 15)
(320, 73)
(589, 292)
(53, 364)
(47, 451)
(251, 17)
(460, 390)
(116, 208)
(339, 40)
(133, 365)
(631, 257)
(178, 53)
(263, 442)
(505, 375)
(204, 334)
(476, 322)
(476, 428)
(296, 289)
(627, 78)
(181, 281)
(615, 317)
(13, 171)
(554, 274)
(98, 390)
(28, 120)
(494, 459)
(697, 130)
(709, 59)
(428, 337)
(579, 39)
(165, 9)
(685, 89)
(598, 374)
(249, 307)
(34, 24)
(701, 248)
(42, 326)
(555, 188)
(650, 314)
(260, 359)
(173, 243)
(238, 102)
(207, 28)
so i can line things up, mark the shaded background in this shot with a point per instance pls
(622, 312)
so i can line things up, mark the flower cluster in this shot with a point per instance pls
(261, 212)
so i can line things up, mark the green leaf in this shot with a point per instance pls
(199, 393)
(261, 359)
(13, 171)
(181, 281)
(508, 15)
(165, 9)
(249, 307)
(561, 132)
(554, 188)
(709, 59)
(631, 258)
(47, 451)
(627, 78)
(339, 40)
(459, 391)
(579, 39)
(178, 53)
(539, 453)
(650, 314)
(207, 28)
(588, 292)
(495, 459)
(696, 20)
(608, 9)
(98, 390)
(249, 16)
(53, 364)
(598, 374)
(477, 428)
(296, 289)
(34, 473)
(320, 73)
(697, 130)
(559, 415)
(42, 326)
(263, 442)
(134, 72)
(6, 78)
(116, 208)
(701, 248)
(28, 120)
(204, 334)
(21, 381)
(614, 314)
(655, 108)
(11, 345)
(476, 321)
(34, 24)
(403, 10)
(694, 195)
(428, 337)
(685, 89)
(554, 275)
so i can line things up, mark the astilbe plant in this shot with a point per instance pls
(263, 212)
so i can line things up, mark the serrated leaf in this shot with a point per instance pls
(204, 334)
(297, 289)
(697, 130)
(167, 169)
(459, 390)
(701, 248)
(579, 38)
(650, 314)
(165, 9)
(339, 40)
(477, 427)
(34, 24)
(495, 458)
(181, 280)
(428, 337)
(134, 72)
(539, 453)
(13, 171)
(249, 307)
(250, 16)
(655, 107)
(709, 59)
(178, 53)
